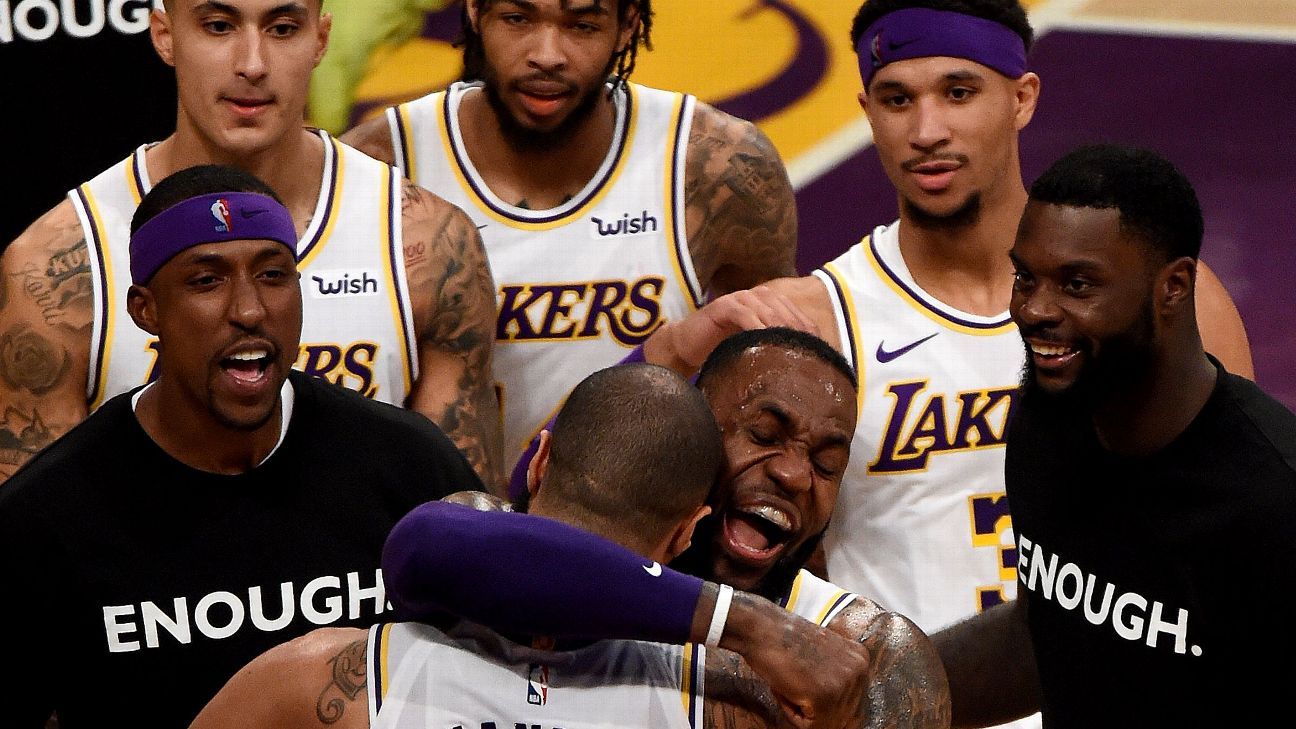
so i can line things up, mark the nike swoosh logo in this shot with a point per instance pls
(884, 356)
(482, 226)
(654, 570)
(252, 213)
(897, 45)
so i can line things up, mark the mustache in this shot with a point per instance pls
(911, 164)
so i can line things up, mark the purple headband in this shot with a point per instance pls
(213, 218)
(921, 32)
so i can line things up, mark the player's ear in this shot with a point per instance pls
(628, 27)
(682, 537)
(160, 33)
(1174, 287)
(143, 308)
(474, 15)
(1026, 97)
(539, 464)
(322, 36)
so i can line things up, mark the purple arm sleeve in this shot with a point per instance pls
(517, 487)
(518, 573)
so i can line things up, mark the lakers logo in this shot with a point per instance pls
(628, 311)
(940, 424)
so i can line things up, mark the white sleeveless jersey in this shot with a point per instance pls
(816, 600)
(357, 326)
(581, 284)
(922, 524)
(422, 678)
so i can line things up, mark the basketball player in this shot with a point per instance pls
(634, 435)
(398, 294)
(785, 402)
(919, 308)
(185, 527)
(606, 207)
(1166, 615)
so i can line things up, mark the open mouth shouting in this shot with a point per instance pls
(756, 534)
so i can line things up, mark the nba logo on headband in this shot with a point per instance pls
(220, 210)
(875, 49)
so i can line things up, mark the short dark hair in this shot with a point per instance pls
(635, 446)
(729, 350)
(1008, 13)
(192, 182)
(623, 63)
(1155, 200)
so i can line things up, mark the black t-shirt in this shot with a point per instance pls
(135, 586)
(1159, 589)
(80, 92)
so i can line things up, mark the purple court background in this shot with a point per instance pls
(1220, 109)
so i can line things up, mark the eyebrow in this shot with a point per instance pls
(220, 7)
(269, 250)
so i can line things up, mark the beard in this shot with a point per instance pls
(526, 139)
(1125, 361)
(962, 217)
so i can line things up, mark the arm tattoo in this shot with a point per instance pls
(63, 291)
(740, 208)
(348, 681)
(908, 686)
(735, 697)
(31, 362)
(449, 274)
(21, 437)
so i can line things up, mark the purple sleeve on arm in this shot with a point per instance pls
(517, 480)
(517, 573)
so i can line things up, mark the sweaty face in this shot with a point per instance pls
(786, 418)
(545, 64)
(1082, 299)
(243, 68)
(229, 319)
(946, 132)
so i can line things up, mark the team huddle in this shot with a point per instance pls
(508, 407)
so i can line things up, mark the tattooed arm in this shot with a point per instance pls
(373, 137)
(46, 311)
(453, 297)
(317, 680)
(908, 686)
(740, 211)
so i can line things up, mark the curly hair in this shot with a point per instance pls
(622, 64)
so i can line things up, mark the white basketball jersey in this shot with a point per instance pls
(422, 678)
(357, 327)
(922, 525)
(816, 600)
(581, 284)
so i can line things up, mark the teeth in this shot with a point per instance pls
(1049, 350)
(772, 515)
(250, 356)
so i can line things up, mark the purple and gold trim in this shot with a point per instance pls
(396, 272)
(564, 213)
(920, 302)
(94, 238)
(692, 685)
(675, 169)
(330, 194)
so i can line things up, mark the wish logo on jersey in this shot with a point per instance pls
(915, 431)
(350, 365)
(336, 284)
(628, 311)
(641, 224)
